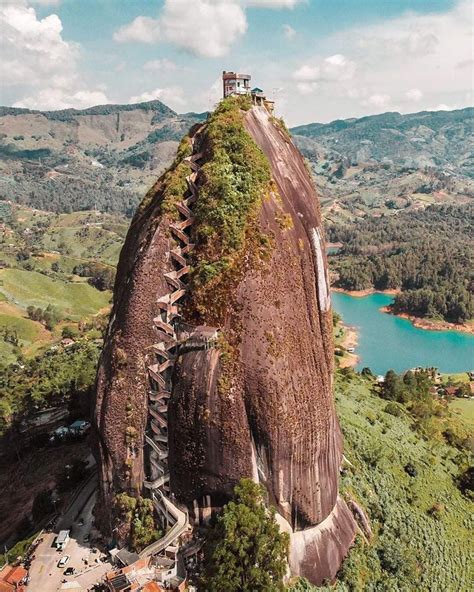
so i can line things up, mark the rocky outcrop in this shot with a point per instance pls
(258, 401)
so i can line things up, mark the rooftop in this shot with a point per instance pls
(62, 536)
(10, 578)
(235, 75)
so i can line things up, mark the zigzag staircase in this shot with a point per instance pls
(160, 371)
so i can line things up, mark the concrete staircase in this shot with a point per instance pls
(165, 351)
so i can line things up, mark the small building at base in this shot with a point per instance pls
(13, 579)
(62, 539)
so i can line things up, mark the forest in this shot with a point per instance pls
(426, 254)
(61, 377)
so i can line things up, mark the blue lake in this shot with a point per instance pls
(386, 341)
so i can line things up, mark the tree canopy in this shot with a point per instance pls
(246, 551)
(426, 254)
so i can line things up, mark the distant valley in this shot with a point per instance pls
(101, 158)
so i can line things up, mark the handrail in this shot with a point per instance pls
(175, 531)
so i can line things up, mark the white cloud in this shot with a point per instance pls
(160, 65)
(57, 98)
(399, 43)
(378, 100)
(46, 2)
(443, 107)
(172, 96)
(143, 28)
(334, 68)
(32, 49)
(411, 62)
(271, 3)
(37, 63)
(206, 28)
(288, 32)
(414, 94)
(306, 88)
(307, 73)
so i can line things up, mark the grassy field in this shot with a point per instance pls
(465, 409)
(31, 335)
(74, 300)
(460, 377)
(80, 236)
(414, 548)
(38, 253)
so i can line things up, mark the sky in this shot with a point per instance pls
(319, 59)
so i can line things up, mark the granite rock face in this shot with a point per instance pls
(275, 421)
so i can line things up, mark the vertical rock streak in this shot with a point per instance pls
(321, 272)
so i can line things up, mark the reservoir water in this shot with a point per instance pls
(386, 341)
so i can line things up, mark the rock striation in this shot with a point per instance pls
(250, 384)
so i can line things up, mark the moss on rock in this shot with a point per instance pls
(235, 179)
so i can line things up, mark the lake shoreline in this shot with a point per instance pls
(386, 341)
(366, 292)
(417, 321)
(430, 324)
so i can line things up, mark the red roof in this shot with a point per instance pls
(152, 587)
(10, 578)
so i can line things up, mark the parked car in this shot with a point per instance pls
(63, 561)
(81, 522)
(70, 571)
(87, 538)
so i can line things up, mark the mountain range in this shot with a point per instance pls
(106, 157)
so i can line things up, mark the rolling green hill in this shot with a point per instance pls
(41, 254)
(30, 288)
(421, 522)
(106, 157)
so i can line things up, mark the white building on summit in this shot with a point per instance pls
(234, 83)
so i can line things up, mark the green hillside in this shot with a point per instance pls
(422, 523)
(27, 288)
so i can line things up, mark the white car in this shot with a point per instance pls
(63, 561)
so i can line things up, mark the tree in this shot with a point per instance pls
(245, 551)
(391, 386)
(68, 332)
(136, 515)
(42, 505)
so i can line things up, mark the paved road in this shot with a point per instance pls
(44, 573)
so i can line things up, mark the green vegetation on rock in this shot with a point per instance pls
(235, 178)
(136, 515)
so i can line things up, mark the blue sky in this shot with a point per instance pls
(320, 60)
